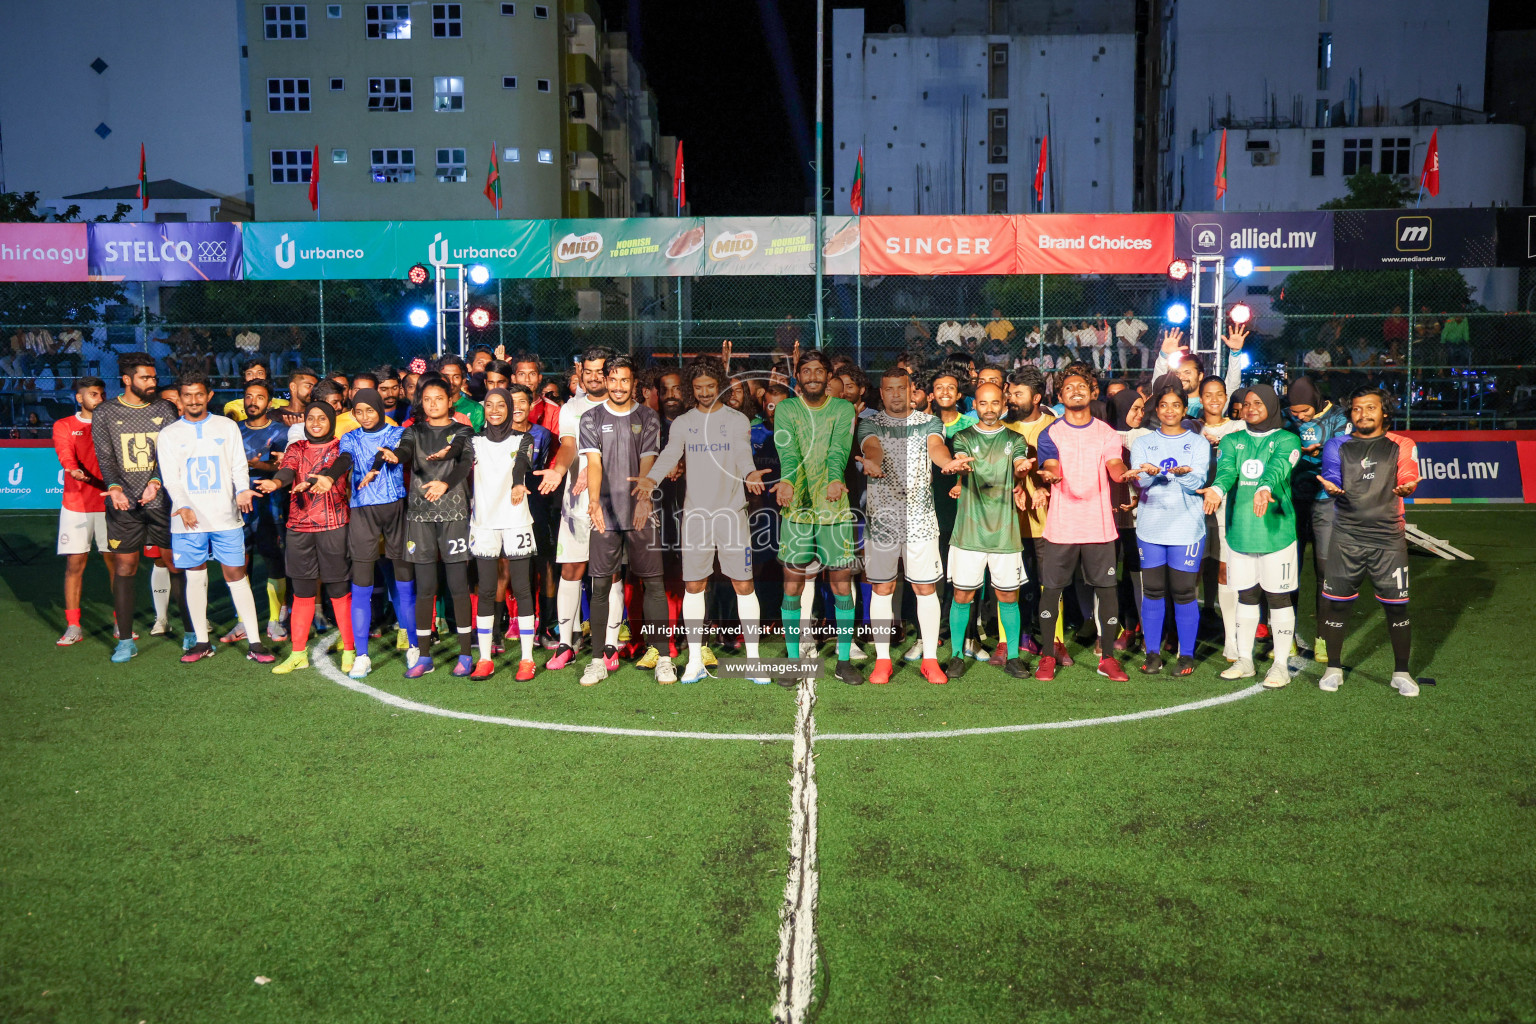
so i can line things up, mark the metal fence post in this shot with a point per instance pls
(1408, 389)
(858, 318)
(1040, 345)
(322, 326)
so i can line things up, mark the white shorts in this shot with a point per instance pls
(967, 569)
(513, 543)
(1274, 573)
(719, 533)
(572, 544)
(78, 529)
(920, 561)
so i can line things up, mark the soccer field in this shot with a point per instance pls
(172, 834)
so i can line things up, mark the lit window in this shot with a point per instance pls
(447, 21)
(451, 165)
(391, 166)
(511, 154)
(546, 156)
(338, 156)
(285, 21)
(291, 166)
(389, 94)
(287, 95)
(448, 94)
(388, 21)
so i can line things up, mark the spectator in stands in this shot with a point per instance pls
(1361, 353)
(1128, 335)
(226, 354)
(948, 336)
(915, 335)
(1000, 333)
(1457, 340)
(971, 333)
(68, 349)
(1318, 358)
(248, 342)
(1394, 328)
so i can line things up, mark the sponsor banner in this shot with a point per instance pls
(1475, 466)
(30, 475)
(840, 245)
(1302, 240)
(1403, 239)
(760, 245)
(1094, 243)
(936, 245)
(43, 252)
(1517, 236)
(507, 248)
(172, 251)
(319, 250)
(634, 247)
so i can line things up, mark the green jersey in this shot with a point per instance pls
(986, 519)
(943, 504)
(1249, 461)
(814, 445)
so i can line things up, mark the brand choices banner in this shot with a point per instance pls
(760, 245)
(43, 252)
(1302, 240)
(172, 251)
(1400, 239)
(936, 245)
(1095, 243)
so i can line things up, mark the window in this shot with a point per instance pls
(997, 193)
(997, 77)
(391, 166)
(1395, 154)
(389, 94)
(451, 165)
(338, 156)
(1319, 151)
(388, 21)
(507, 10)
(997, 137)
(543, 84)
(509, 82)
(1324, 114)
(287, 95)
(1324, 58)
(511, 155)
(1357, 156)
(447, 21)
(333, 10)
(338, 84)
(447, 94)
(546, 156)
(540, 11)
(285, 21)
(291, 166)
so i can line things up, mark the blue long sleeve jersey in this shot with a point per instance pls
(1318, 431)
(1171, 512)
(364, 446)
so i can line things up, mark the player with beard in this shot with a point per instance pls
(899, 445)
(124, 432)
(946, 389)
(1080, 458)
(501, 526)
(1028, 416)
(377, 522)
(573, 541)
(264, 440)
(814, 436)
(1316, 421)
(1368, 474)
(82, 515)
(1254, 473)
(300, 383)
(670, 405)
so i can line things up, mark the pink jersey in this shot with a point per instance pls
(1081, 509)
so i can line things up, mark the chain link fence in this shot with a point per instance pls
(1426, 335)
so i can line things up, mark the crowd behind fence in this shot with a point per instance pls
(1422, 334)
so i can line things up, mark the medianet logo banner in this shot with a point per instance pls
(1094, 243)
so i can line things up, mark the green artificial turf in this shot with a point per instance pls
(168, 833)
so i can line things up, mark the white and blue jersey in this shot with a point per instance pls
(1171, 512)
(203, 467)
(364, 446)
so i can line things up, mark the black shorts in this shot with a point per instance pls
(606, 550)
(1059, 561)
(318, 556)
(446, 541)
(546, 529)
(1385, 564)
(140, 527)
(265, 525)
(369, 523)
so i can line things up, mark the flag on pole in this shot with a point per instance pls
(314, 181)
(143, 180)
(493, 182)
(1221, 167)
(856, 194)
(679, 181)
(1040, 173)
(1429, 178)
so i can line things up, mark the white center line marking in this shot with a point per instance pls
(796, 963)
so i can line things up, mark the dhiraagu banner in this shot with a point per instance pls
(30, 476)
(507, 248)
(320, 250)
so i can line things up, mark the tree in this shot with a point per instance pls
(21, 208)
(1369, 191)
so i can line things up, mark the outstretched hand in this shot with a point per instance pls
(1333, 489)
(1235, 337)
(1173, 337)
(754, 481)
(1212, 496)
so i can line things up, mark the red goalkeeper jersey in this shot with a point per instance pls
(76, 450)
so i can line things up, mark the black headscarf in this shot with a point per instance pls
(1271, 405)
(1304, 392)
(372, 399)
(1120, 405)
(1164, 381)
(330, 418)
(498, 432)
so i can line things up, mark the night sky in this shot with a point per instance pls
(736, 80)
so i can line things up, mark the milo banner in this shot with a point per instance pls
(840, 245)
(507, 248)
(1284, 241)
(173, 251)
(760, 245)
(319, 250)
(634, 247)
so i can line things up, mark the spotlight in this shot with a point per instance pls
(419, 274)
(418, 317)
(1178, 269)
(479, 275)
(1177, 313)
(479, 318)
(1243, 266)
(1239, 313)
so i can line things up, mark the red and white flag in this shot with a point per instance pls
(679, 181)
(314, 181)
(1429, 178)
(143, 180)
(1040, 173)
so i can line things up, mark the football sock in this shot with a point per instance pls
(1400, 631)
(72, 617)
(790, 610)
(598, 613)
(1008, 615)
(677, 615)
(525, 625)
(693, 626)
(362, 616)
(1282, 627)
(750, 614)
(245, 607)
(959, 618)
(1226, 600)
(1154, 608)
(485, 627)
(616, 616)
(928, 623)
(1186, 618)
(843, 610)
(160, 591)
(299, 621)
(880, 622)
(568, 606)
(341, 611)
(1332, 621)
(404, 596)
(197, 602)
(1247, 628)
(1050, 619)
(179, 592)
(122, 603)
(1106, 608)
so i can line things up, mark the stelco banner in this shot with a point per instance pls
(1284, 241)
(43, 252)
(173, 251)
(1400, 239)
(1095, 243)
(936, 245)
(636, 247)
(760, 245)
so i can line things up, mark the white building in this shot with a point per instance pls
(84, 82)
(951, 122)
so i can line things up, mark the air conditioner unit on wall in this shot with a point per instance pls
(1261, 158)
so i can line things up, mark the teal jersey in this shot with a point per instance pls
(1247, 462)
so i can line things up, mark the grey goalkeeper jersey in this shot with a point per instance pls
(718, 447)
